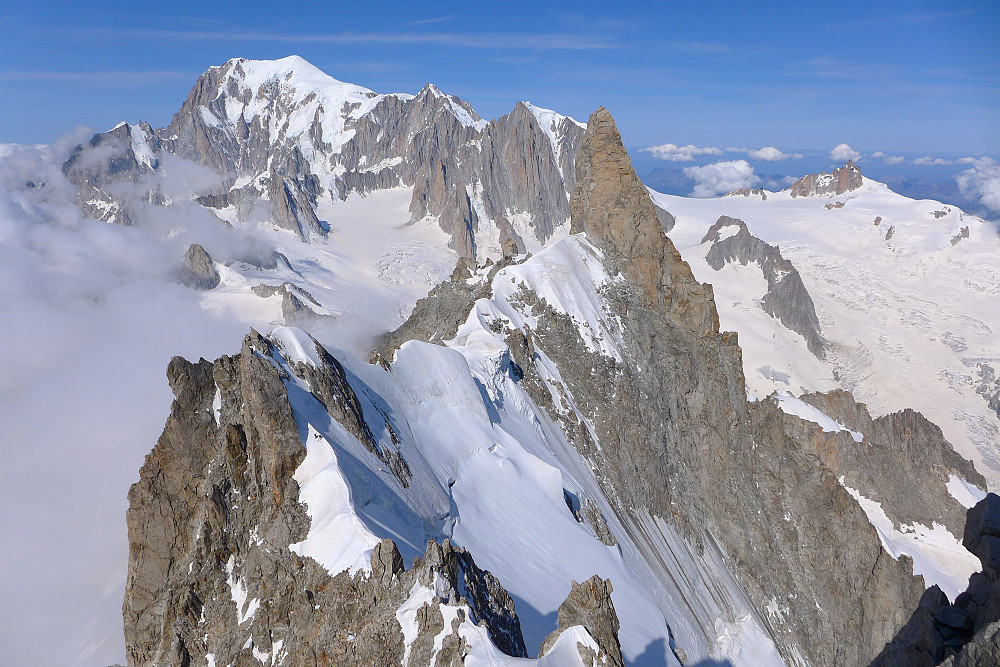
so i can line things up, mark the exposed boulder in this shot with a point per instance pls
(198, 271)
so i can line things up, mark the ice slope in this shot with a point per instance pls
(907, 317)
(492, 472)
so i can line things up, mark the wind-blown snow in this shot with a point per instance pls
(938, 556)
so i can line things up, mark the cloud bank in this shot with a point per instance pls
(91, 317)
(888, 159)
(772, 154)
(675, 153)
(982, 183)
(721, 177)
(843, 153)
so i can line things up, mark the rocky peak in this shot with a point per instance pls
(214, 576)
(844, 179)
(198, 271)
(589, 605)
(287, 135)
(611, 205)
(787, 299)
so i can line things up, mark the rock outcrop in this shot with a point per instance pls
(589, 605)
(841, 180)
(213, 577)
(748, 192)
(198, 271)
(612, 207)
(968, 631)
(787, 299)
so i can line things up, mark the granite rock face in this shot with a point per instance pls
(212, 577)
(900, 450)
(787, 299)
(675, 444)
(198, 271)
(843, 179)
(612, 207)
(589, 604)
(286, 137)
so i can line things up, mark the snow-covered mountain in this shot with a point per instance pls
(905, 292)
(484, 355)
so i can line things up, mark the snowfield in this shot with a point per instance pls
(908, 319)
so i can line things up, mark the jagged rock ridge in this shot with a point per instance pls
(287, 136)
(214, 523)
(674, 445)
(841, 180)
(787, 298)
(673, 437)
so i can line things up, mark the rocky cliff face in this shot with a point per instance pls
(966, 633)
(287, 137)
(681, 473)
(786, 299)
(215, 574)
(671, 436)
(611, 206)
(843, 179)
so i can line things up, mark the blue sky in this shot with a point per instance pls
(904, 78)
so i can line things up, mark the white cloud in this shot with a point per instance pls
(981, 182)
(888, 159)
(92, 315)
(721, 177)
(772, 154)
(675, 153)
(843, 153)
(965, 160)
(930, 161)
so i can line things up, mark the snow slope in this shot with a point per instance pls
(492, 472)
(908, 318)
